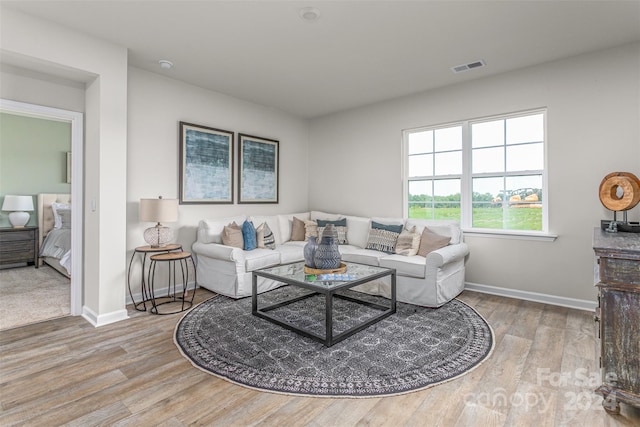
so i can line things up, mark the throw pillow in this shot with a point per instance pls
(264, 237)
(297, 230)
(57, 222)
(65, 218)
(341, 229)
(431, 241)
(232, 236)
(310, 229)
(383, 237)
(408, 242)
(249, 236)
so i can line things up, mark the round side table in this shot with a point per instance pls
(145, 251)
(175, 261)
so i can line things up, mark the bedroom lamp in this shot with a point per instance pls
(158, 210)
(18, 205)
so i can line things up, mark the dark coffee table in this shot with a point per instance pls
(294, 275)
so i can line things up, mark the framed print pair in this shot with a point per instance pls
(207, 166)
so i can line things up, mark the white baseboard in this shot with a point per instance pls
(103, 319)
(578, 304)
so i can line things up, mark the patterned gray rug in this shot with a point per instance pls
(413, 349)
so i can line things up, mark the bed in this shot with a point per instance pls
(55, 231)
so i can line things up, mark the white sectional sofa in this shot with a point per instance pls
(429, 281)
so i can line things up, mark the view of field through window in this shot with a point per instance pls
(504, 170)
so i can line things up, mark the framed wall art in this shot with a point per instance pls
(206, 164)
(258, 170)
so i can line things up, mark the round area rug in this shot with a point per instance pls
(413, 349)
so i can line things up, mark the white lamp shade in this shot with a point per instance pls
(159, 210)
(17, 203)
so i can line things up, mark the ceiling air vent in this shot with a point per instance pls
(469, 66)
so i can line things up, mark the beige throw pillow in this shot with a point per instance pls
(431, 241)
(232, 236)
(408, 242)
(310, 229)
(297, 230)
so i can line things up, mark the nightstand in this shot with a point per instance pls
(19, 245)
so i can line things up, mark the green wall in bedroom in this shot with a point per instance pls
(33, 158)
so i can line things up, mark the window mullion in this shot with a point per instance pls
(466, 204)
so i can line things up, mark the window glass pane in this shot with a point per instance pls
(421, 142)
(487, 134)
(525, 157)
(487, 160)
(446, 199)
(487, 196)
(421, 165)
(449, 139)
(420, 199)
(524, 210)
(525, 129)
(449, 163)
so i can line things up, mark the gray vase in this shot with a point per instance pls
(310, 252)
(327, 255)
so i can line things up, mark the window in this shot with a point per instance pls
(487, 173)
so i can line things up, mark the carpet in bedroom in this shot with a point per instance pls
(31, 295)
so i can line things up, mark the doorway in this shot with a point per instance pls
(77, 177)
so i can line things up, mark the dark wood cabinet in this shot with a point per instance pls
(18, 245)
(618, 315)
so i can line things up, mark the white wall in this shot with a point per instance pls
(103, 66)
(156, 105)
(593, 103)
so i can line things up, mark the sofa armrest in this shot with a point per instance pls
(219, 251)
(450, 253)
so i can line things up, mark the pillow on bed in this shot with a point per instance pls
(65, 218)
(56, 217)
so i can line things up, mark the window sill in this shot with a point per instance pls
(505, 234)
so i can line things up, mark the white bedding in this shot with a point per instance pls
(57, 244)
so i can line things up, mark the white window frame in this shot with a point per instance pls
(467, 176)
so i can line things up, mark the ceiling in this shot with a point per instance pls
(357, 53)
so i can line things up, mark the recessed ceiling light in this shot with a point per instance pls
(165, 65)
(310, 14)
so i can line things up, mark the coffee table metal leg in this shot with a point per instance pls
(329, 319)
(254, 294)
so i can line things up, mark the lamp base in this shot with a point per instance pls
(19, 219)
(158, 236)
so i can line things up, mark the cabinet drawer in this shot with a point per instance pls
(15, 257)
(617, 270)
(17, 235)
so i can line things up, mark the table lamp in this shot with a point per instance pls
(18, 205)
(158, 210)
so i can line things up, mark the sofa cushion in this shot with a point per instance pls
(363, 256)
(261, 258)
(249, 236)
(431, 241)
(291, 252)
(210, 230)
(316, 215)
(383, 237)
(411, 266)
(285, 225)
(408, 242)
(358, 230)
(232, 236)
(443, 227)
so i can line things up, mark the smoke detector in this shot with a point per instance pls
(165, 65)
(309, 14)
(469, 66)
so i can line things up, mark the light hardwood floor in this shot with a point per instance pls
(66, 372)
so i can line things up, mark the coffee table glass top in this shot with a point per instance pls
(295, 272)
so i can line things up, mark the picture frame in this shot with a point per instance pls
(206, 165)
(258, 170)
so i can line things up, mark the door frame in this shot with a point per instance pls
(76, 120)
